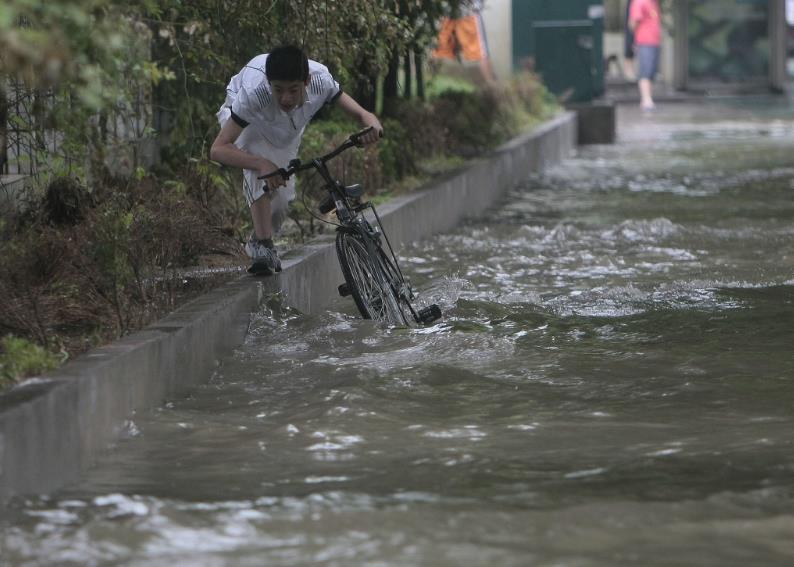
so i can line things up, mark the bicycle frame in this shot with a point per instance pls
(352, 219)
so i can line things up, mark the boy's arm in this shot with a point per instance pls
(365, 117)
(224, 151)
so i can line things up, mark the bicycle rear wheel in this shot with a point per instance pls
(369, 279)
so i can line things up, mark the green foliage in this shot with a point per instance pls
(396, 152)
(355, 38)
(440, 84)
(78, 69)
(321, 136)
(31, 265)
(20, 358)
(469, 118)
(109, 269)
(83, 43)
(101, 58)
(359, 165)
(109, 249)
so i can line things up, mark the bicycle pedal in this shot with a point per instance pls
(344, 290)
(429, 314)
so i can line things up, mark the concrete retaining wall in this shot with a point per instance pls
(52, 428)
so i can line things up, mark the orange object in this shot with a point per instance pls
(464, 36)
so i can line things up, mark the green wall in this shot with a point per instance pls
(563, 42)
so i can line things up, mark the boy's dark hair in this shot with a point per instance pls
(287, 63)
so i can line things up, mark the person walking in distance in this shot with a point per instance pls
(268, 105)
(629, 71)
(464, 37)
(645, 22)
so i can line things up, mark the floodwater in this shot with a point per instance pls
(612, 384)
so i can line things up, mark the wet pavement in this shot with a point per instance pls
(612, 384)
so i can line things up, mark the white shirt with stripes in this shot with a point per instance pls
(270, 131)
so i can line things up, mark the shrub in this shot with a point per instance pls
(20, 358)
(396, 151)
(112, 268)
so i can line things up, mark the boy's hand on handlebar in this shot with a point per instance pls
(375, 133)
(267, 167)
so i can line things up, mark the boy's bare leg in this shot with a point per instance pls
(261, 215)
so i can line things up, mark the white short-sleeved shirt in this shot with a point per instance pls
(269, 131)
(251, 101)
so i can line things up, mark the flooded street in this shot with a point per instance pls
(612, 384)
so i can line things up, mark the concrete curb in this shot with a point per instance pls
(52, 428)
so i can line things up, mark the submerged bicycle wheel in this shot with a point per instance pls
(401, 290)
(370, 279)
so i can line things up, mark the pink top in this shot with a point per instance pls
(647, 16)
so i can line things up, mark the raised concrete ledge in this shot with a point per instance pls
(52, 428)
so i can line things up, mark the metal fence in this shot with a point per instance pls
(31, 142)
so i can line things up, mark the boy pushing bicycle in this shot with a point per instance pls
(268, 105)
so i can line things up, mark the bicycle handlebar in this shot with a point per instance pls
(295, 165)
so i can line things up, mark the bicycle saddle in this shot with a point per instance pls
(355, 190)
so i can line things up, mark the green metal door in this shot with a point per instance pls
(563, 42)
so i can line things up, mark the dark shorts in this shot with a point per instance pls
(628, 35)
(648, 56)
(628, 44)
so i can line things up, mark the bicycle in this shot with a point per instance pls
(372, 277)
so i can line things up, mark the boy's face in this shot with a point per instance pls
(289, 94)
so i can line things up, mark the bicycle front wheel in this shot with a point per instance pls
(368, 279)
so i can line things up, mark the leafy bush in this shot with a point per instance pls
(115, 270)
(396, 151)
(20, 358)
(442, 83)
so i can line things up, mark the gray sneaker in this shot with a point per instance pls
(265, 260)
